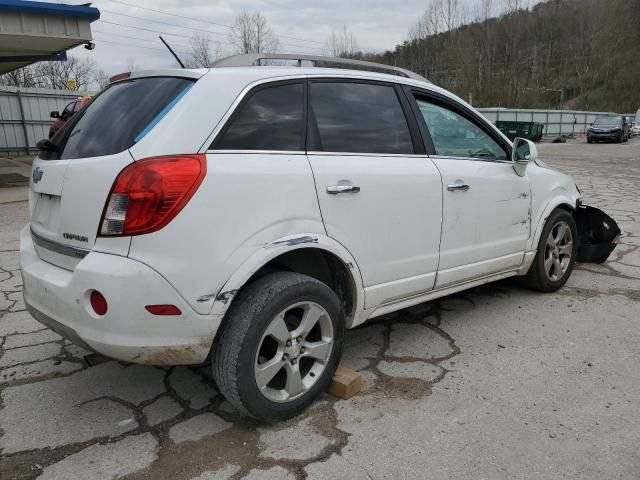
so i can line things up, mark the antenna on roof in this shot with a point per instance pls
(172, 52)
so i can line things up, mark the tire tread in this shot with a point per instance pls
(240, 319)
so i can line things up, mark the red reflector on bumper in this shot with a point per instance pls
(163, 309)
(98, 302)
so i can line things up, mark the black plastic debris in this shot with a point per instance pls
(597, 234)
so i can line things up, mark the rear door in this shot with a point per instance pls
(486, 220)
(71, 181)
(380, 196)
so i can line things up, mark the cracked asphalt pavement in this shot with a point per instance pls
(497, 382)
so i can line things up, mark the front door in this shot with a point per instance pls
(486, 204)
(379, 195)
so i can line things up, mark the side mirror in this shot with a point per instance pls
(524, 151)
(46, 145)
(55, 114)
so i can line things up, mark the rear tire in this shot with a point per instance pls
(269, 334)
(556, 254)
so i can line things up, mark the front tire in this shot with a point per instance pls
(279, 345)
(556, 254)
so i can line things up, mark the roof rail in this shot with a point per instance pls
(253, 60)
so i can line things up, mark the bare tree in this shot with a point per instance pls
(484, 10)
(450, 13)
(22, 77)
(101, 78)
(342, 44)
(251, 33)
(201, 54)
(512, 6)
(57, 74)
(131, 65)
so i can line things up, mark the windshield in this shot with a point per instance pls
(119, 116)
(608, 121)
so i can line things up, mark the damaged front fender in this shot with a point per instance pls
(598, 234)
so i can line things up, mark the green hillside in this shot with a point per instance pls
(583, 54)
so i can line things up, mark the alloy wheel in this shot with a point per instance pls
(558, 251)
(293, 352)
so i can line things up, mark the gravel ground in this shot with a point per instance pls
(497, 382)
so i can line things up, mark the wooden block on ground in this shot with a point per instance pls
(345, 383)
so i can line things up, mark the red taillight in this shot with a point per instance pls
(98, 302)
(163, 309)
(149, 193)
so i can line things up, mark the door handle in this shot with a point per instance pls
(335, 189)
(454, 187)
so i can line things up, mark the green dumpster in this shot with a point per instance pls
(529, 130)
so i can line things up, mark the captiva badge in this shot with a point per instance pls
(37, 175)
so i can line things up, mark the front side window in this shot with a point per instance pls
(455, 136)
(357, 117)
(271, 119)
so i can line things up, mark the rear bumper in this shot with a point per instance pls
(59, 299)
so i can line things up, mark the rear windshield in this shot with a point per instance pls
(120, 116)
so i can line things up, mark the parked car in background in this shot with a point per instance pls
(636, 127)
(69, 111)
(610, 128)
(250, 214)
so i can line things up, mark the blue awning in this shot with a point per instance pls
(43, 8)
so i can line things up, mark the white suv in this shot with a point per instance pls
(250, 215)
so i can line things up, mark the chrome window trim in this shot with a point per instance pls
(366, 154)
(319, 153)
(475, 159)
(58, 247)
(275, 152)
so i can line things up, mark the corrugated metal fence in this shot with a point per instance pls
(24, 116)
(556, 122)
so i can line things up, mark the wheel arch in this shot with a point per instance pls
(315, 255)
(563, 202)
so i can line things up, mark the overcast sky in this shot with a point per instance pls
(378, 25)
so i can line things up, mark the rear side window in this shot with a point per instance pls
(121, 115)
(271, 119)
(358, 117)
